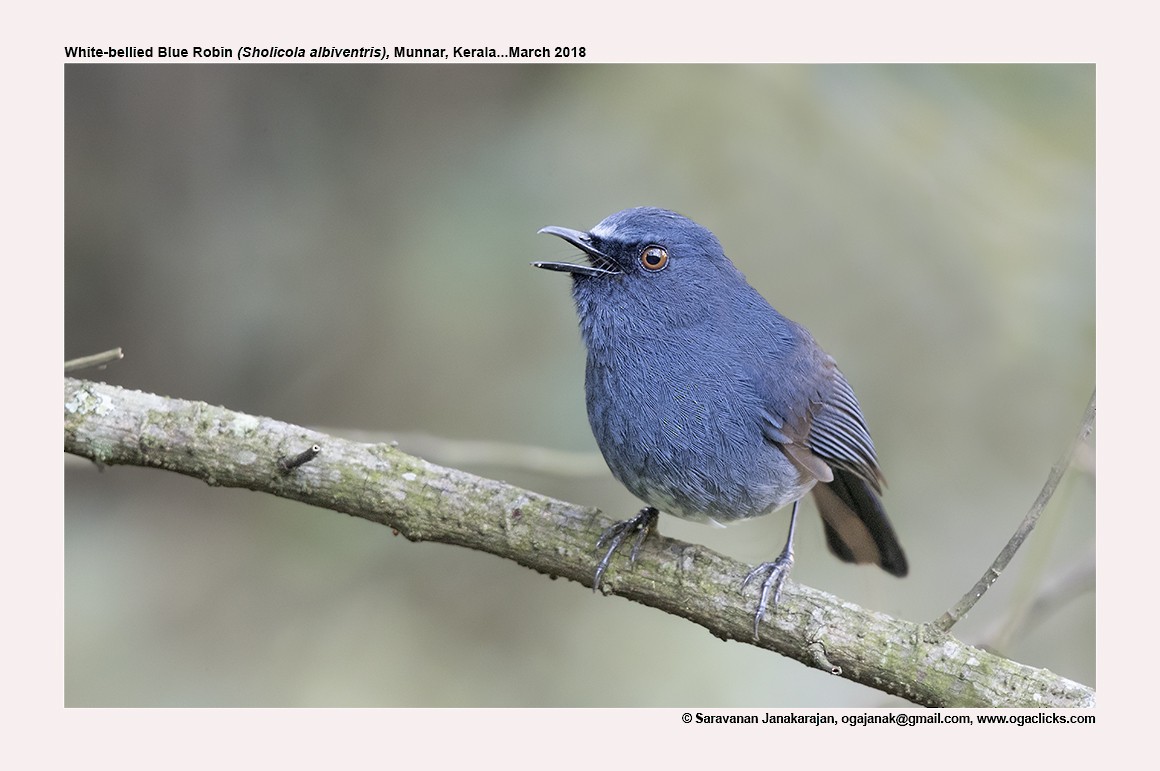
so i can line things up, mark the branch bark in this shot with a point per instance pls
(424, 502)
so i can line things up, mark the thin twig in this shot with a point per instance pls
(963, 606)
(95, 360)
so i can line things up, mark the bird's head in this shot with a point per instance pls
(647, 262)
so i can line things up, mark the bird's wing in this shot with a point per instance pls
(811, 412)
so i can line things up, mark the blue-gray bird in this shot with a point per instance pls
(709, 404)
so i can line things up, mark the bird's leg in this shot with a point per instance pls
(778, 570)
(643, 523)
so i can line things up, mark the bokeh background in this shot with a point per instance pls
(347, 247)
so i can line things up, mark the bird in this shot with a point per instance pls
(708, 404)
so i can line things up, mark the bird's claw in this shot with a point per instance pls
(778, 571)
(643, 524)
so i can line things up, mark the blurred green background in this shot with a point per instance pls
(347, 247)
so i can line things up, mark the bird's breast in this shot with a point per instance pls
(682, 432)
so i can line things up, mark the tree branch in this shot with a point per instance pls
(425, 502)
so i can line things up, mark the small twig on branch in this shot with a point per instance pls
(425, 502)
(288, 464)
(944, 622)
(95, 360)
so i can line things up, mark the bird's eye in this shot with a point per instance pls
(654, 257)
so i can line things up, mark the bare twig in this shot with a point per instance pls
(944, 622)
(95, 360)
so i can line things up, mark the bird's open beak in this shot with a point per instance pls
(583, 242)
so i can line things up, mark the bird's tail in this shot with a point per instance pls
(857, 528)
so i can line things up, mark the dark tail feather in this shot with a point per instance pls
(857, 529)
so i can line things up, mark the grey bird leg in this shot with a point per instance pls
(778, 571)
(645, 522)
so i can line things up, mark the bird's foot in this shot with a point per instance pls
(642, 524)
(777, 571)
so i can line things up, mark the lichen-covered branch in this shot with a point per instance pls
(425, 502)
